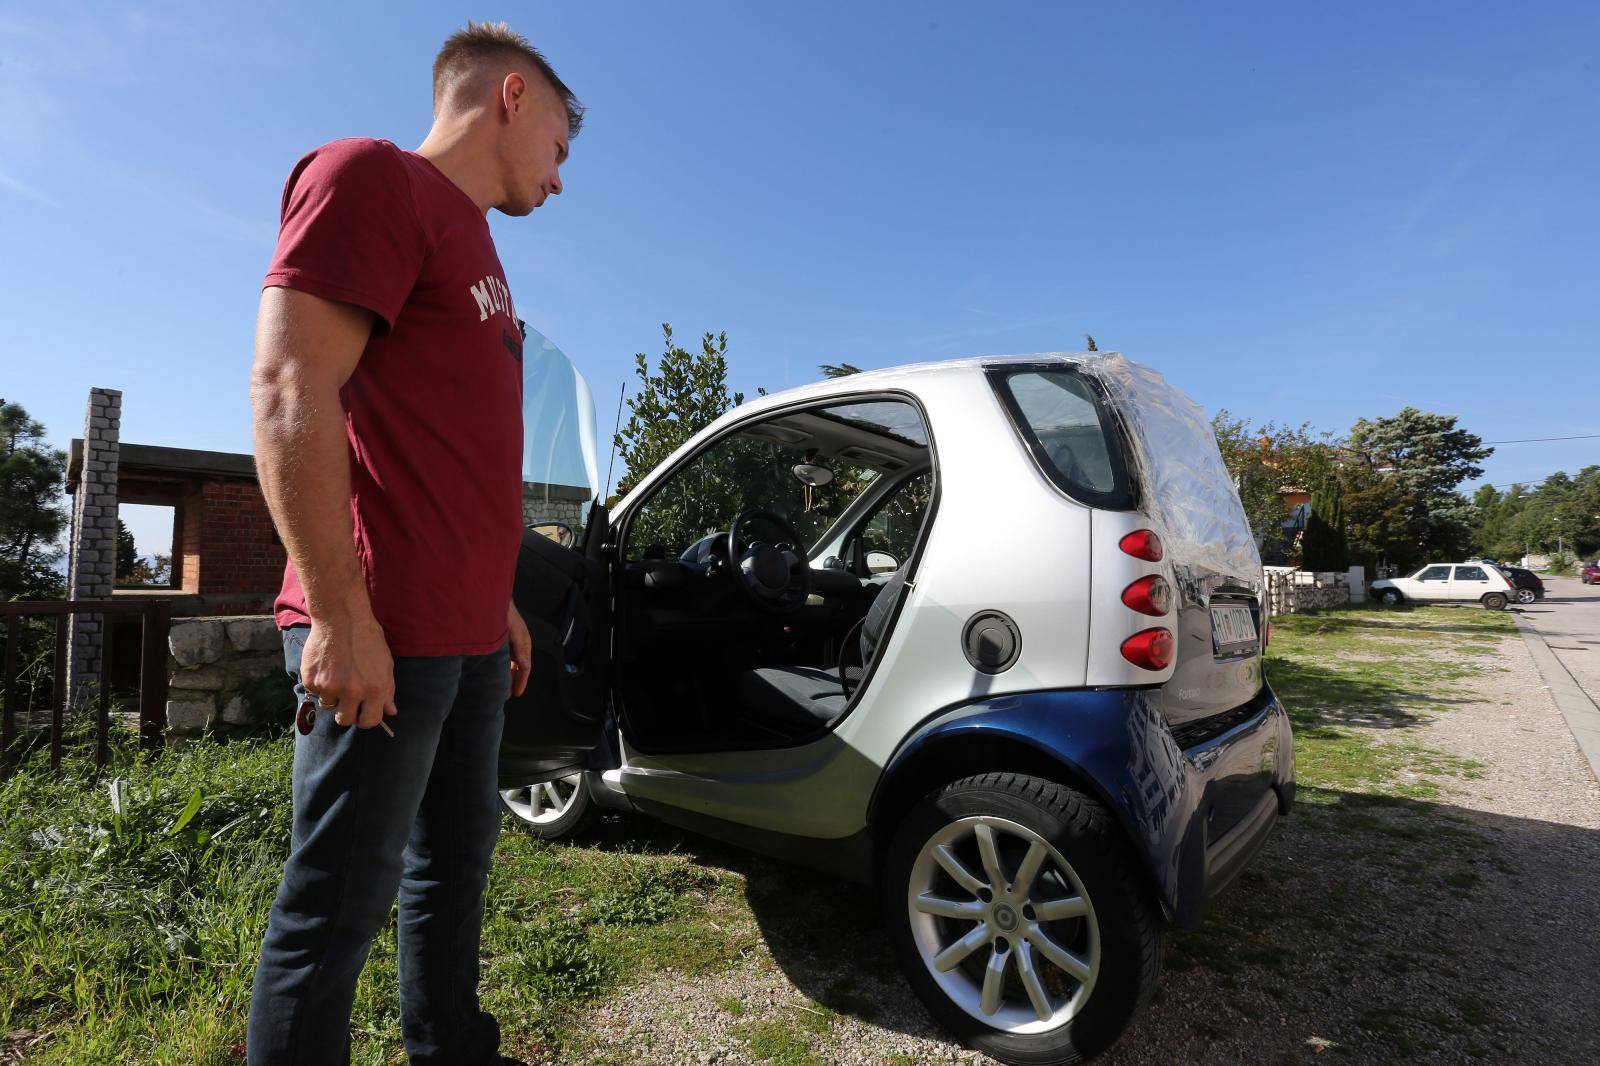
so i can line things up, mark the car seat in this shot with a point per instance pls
(812, 696)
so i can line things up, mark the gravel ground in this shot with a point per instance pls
(1443, 930)
(1370, 929)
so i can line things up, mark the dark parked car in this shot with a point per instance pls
(1528, 584)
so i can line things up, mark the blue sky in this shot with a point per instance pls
(1304, 215)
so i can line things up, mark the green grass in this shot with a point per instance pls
(132, 937)
(791, 1039)
(129, 932)
(1354, 679)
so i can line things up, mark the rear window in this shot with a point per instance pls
(1067, 429)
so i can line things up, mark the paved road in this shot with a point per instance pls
(1567, 623)
(1568, 619)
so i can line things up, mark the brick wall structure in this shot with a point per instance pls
(230, 547)
(226, 556)
(92, 552)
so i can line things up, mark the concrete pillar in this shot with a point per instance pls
(1358, 584)
(92, 559)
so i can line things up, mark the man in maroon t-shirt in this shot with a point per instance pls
(388, 423)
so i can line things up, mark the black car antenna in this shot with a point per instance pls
(616, 431)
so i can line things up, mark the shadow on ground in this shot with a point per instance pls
(1376, 927)
(1333, 698)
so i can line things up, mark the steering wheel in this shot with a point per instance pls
(777, 579)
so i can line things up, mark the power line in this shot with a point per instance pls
(1539, 440)
(1532, 482)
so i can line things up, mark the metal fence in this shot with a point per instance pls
(156, 616)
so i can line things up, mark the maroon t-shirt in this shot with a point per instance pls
(433, 412)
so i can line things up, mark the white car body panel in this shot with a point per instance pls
(1063, 591)
(990, 495)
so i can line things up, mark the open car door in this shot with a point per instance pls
(562, 589)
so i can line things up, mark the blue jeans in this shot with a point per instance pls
(417, 812)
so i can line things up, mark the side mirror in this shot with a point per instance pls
(559, 532)
(880, 562)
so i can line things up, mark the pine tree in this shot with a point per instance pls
(1325, 547)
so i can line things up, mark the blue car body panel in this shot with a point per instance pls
(1194, 814)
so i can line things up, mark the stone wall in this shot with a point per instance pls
(92, 549)
(554, 503)
(1293, 591)
(225, 671)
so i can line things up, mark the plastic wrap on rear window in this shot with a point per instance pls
(1183, 483)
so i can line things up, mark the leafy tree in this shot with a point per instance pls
(1563, 513)
(31, 514)
(1267, 462)
(1089, 340)
(841, 370)
(1324, 546)
(687, 392)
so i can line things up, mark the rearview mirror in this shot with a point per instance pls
(879, 562)
(559, 532)
(813, 475)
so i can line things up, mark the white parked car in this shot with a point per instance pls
(1448, 583)
(986, 634)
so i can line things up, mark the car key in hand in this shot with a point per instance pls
(306, 717)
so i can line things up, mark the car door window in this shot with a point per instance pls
(560, 455)
(1471, 573)
(891, 533)
(1434, 573)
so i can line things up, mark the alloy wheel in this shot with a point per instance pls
(1525, 596)
(543, 803)
(1004, 925)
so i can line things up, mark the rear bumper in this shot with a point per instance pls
(1243, 781)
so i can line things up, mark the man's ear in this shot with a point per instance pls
(513, 93)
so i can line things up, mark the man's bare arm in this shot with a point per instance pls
(306, 349)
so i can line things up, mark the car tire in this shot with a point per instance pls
(554, 810)
(1526, 595)
(1093, 966)
(1390, 597)
(1495, 601)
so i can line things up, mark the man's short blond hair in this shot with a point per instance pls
(467, 52)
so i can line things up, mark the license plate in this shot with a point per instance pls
(1233, 629)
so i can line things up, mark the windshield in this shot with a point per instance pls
(807, 467)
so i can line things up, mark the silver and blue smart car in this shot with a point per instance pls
(986, 634)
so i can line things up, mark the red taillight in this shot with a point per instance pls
(1142, 544)
(1149, 595)
(1150, 648)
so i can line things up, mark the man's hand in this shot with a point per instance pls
(349, 664)
(521, 651)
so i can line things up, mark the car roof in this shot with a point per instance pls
(906, 376)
